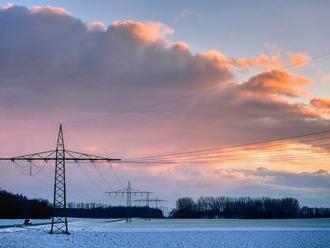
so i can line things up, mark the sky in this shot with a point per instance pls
(136, 78)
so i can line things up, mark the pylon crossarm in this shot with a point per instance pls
(117, 191)
(83, 157)
(140, 191)
(125, 191)
(71, 156)
(41, 156)
(150, 200)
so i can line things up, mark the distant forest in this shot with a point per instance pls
(245, 208)
(20, 207)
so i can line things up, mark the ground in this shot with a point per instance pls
(175, 233)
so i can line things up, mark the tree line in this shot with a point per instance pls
(20, 207)
(245, 208)
(17, 206)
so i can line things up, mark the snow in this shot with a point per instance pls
(20, 221)
(175, 233)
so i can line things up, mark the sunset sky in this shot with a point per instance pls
(137, 78)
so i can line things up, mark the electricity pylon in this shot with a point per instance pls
(60, 155)
(128, 192)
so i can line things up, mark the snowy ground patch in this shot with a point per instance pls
(176, 233)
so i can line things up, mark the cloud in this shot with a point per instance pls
(148, 31)
(325, 78)
(52, 62)
(316, 179)
(300, 59)
(49, 10)
(7, 5)
(322, 103)
(186, 13)
(262, 60)
(279, 82)
(97, 26)
(183, 46)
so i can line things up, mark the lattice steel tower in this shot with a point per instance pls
(128, 192)
(60, 156)
(59, 219)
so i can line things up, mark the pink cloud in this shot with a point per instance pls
(49, 10)
(279, 82)
(8, 5)
(262, 60)
(146, 31)
(322, 103)
(300, 59)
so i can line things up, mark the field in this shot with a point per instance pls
(173, 233)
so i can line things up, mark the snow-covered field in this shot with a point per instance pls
(9, 222)
(175, 233)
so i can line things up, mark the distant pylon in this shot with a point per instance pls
(128, 192)
(59, 219)
(129, 202)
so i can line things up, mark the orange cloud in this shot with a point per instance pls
(299, 59)
(146, 31)
(262, 60)
(49, 10)
(279, 82)
(215, 55)
(321, 103)
(217, 58)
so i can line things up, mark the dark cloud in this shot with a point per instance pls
(45, 53)
(316, 179)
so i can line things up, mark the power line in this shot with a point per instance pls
(95, 183)
(107, 182)
(225, 154)
(233, 146)
(116, 175)
(133, 110)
